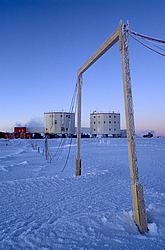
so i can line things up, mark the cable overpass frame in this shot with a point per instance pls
(120, 35)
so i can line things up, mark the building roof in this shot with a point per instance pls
(57, 112)
(104, 113)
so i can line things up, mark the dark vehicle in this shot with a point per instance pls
(149, 135)
(37, 136)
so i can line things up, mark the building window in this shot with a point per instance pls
(114, 129)
(110, 116)
(98, 122)
(94, 116)
(62, 129)
(61, 115)
(109, 121)
(114, 121)
(66, 129)
(109, 129)
(94, 129)
(94, 122)
(114, 116)
(104, 122)
(69, 116)
(55, 121)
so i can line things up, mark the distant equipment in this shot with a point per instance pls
(149, 135)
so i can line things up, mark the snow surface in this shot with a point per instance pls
(43, 207)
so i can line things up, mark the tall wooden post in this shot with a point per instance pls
(139, 212)
(78, 159)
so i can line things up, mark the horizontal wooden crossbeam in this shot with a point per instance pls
(101, 50)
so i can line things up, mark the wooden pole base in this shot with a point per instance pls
(78, 167)
(139, 213)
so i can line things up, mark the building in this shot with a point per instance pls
(59, 123)
(19, 129)
(105, 124)
(19, 132)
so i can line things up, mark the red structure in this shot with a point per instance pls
(21, 132)
(8, 135)
(19, 129)
(16, 135)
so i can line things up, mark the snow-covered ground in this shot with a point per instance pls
(44, 206)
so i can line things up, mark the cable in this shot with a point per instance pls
(60, 148)
(70, 144)
(70, 111)
(147, 37)
(67, 158)
(154, 43)
(146, 45)
(158, 47)
(71, 108)
(61, 144)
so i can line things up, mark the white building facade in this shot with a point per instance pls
(59, 123)
(105, 123)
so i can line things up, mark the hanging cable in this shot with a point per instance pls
(148, 47)
(153, 42)
(69, 127)
(59, 150)
(147, 37)
(158, 47)
(69, 150)
(71, 110)
(67, 158)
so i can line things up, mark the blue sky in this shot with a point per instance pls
(43, 43)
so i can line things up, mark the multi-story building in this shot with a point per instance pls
(59, 123)
(105, 123)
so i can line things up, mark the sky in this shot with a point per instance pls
(44, 42)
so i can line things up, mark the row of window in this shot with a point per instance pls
(55, 122)
(104, 122)
(67, 116)
(109, 129)
(63, 129)
(99, 116)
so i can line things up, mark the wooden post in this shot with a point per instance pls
(78, 159)
(139, 212)
(46, 147)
